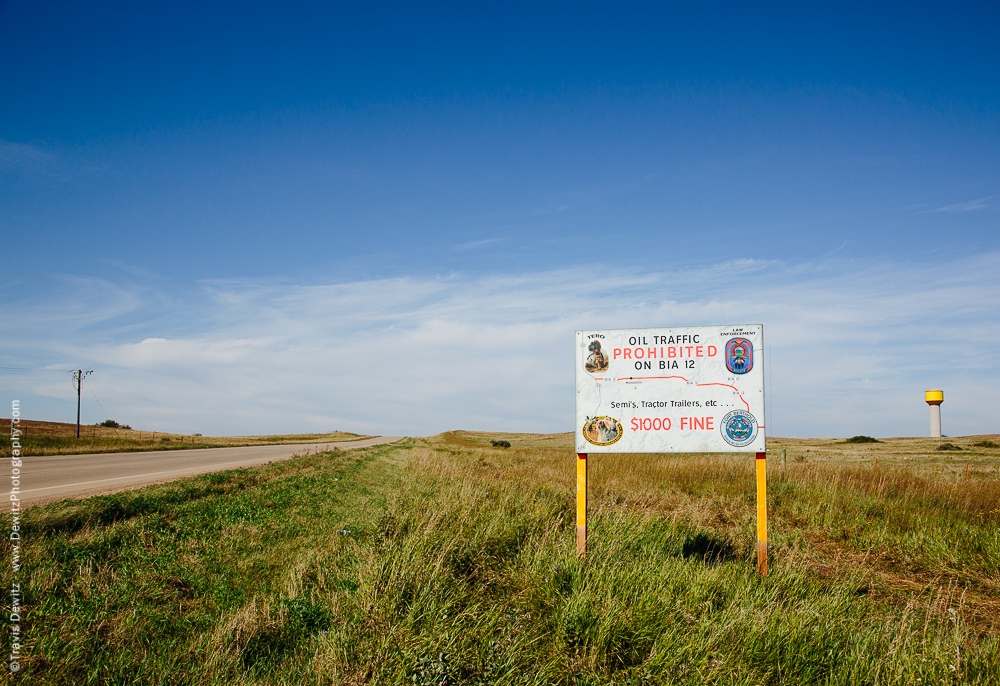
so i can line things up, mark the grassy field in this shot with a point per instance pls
(919, 456)
(58, 438)
(443, 560)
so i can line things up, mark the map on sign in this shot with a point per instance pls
(678, 389)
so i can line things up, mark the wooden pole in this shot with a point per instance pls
(78, 376)
(79, 382)
(966, 472)
(762, 514)
(876, 463)
(581, 504)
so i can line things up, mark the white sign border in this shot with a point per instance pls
(723, 442)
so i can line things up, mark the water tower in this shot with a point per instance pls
(934, 399)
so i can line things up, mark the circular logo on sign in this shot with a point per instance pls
(602, 430)
(739, 428)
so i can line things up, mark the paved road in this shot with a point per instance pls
(48, 478)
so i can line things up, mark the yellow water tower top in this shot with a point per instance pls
(934, 397)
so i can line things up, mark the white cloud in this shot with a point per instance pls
(967, 206)
(850, 346)
(478, 244)
(33, 160)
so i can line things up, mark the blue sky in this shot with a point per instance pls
(255, 217)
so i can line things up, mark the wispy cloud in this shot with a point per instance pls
(967, 206)
(852, 344)
(836, 250)
(24, 158)
(478, 244)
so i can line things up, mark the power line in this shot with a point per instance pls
(17, 378)
(38, 369)
(102, 408)
(115, 429)
(770, 393)
(98, 402)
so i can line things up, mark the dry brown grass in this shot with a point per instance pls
(834, 511)
(59, 438)
(908, 468)
(918, 456)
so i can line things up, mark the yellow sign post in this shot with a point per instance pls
(762, 513)
(581, 504)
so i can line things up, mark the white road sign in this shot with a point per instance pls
(677, 389)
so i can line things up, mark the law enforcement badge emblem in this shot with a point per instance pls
(739, 355)
(602, 430)
(739, 428)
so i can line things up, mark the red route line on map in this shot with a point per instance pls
(682, 378)
(732, 387)
(653, 377)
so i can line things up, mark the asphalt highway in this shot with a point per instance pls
(48, 478)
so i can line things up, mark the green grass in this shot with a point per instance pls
(446, 560)
(862, 439)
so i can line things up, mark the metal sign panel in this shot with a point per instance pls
(670, 390)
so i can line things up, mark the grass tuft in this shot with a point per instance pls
(862, 439)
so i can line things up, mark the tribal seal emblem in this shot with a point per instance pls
(739, 428)
(739, 355)
(602, 430)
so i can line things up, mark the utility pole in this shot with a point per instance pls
(78, 376)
